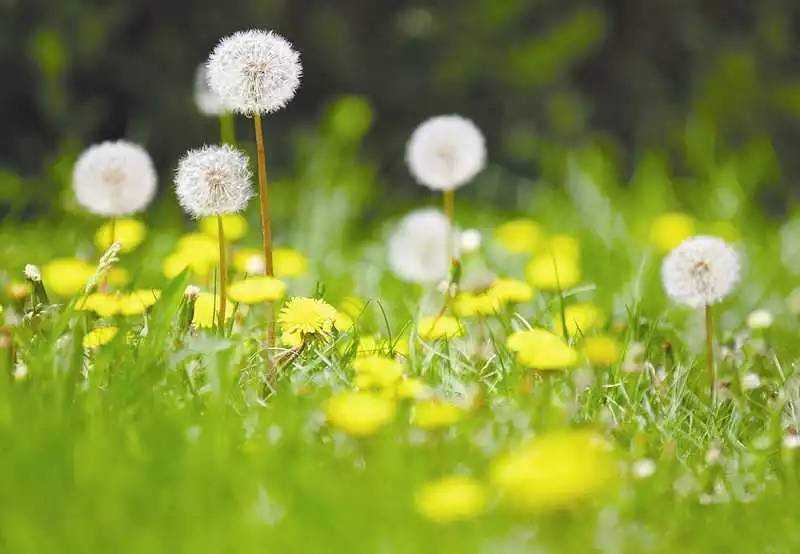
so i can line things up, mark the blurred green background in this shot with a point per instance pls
(686, 91)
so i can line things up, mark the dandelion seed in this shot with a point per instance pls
(213, 180)
(418, 247)
(114, 179)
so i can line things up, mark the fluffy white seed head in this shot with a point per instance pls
(114, 178)
(32, 273)
(700, 271)
(207, 101)
(446, 152)
(213, 180)
(254, 72)
(418, 247)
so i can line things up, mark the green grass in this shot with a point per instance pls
(164, 445)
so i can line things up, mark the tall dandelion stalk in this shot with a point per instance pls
(699, 273)
(254, 73)
(213, 181)
(445, 153)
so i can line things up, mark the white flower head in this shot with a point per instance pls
(700, 271)
(470, 240)
(32, 273)
(207, 101)
(446, 152)
(191, 293)
(114, 178)
(418, 247)
(254, 72)
(213, 180)
(760, 319)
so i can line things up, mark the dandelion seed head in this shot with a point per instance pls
(207, 101)
(470, 240)
(32, 273)
(254, 72)
(191, 293)
(700, 271)
(114, 178)
(213, 180)
(418, 247)
(446, 152)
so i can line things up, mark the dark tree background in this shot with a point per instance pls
(687, 82)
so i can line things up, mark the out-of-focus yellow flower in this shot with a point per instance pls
(377, 371)
(541, 349)
(553, 271)
(199, 246)
(450, 498)
(101, 303)
(352, 306)
(520, 236)
(438, 327)
(18, 290)
(118, 277)
(581, 317)
(291, 340)
(359, 413)
(412, 388)
(249, 260)
(670, 229)
(233, 225)
(66, 276)
(178, 261)
(468, 304)
(111, 304)
(307, 316)
(138, 301)
(130, 233)
(343, 322)
(555, 471)
(206, 310)
(255, 290)
(564, 245)
(289, 262)
(99, 336)
(602, 350)
(510, 290)
(436, 414)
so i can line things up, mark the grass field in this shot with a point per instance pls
(167, 437)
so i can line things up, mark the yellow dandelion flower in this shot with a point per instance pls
(138, 301)
(450, 498)
(248, 260)
(359, 413)
(551, 271)
(233, 225)
(376, 371)
(439, 327)
(412, 388)
(66, 276)
(564, 245)
(520, 236)
(511, 291)
(199, 246)
(99, 336)
(468, 304)
(602, 350)
(176, 262)
(581, 318)
(541, 349)
(436, 414)
(343, 321)
(670, 229)
(118, 277)
(291, 340)
(288, 262)
(206, 310)
(130, 233)
(555, 471)
(101, 303)
(256, 290)
(352, 306)
(307, 316)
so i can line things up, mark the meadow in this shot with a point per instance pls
(539, 392)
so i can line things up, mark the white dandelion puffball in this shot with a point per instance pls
(700, 271)
(418, 247)
(114, 178)
(206, 100)
(213, 180)
(446, 152)
(254, 72)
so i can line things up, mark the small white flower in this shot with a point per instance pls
(191, 293)
(254, 72)
(213, 180)
(32, 273)
(700, 271)
(643, 468)
(759, 319)
(418, 247)
(207, 101)
(470, 240)
(446, 152)
(751, 381)
(114, 178)
(255, 265)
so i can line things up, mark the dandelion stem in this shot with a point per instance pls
(263, 196)
(227, 132)
(223, 274)
(449, 198)
(712, 373)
